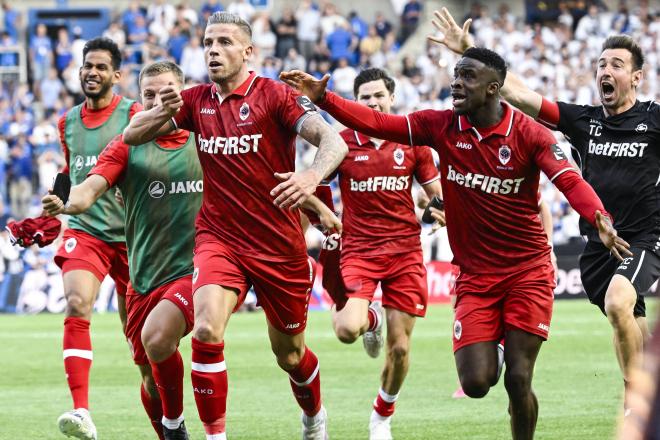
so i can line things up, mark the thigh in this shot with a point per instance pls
(597, 267)
(81, 251)
(405, 287)
(285, 343)
(477, 361)
(353, 314)
(283, 290)
(528, 304)
(118, 269)
(138, 307)
(82, 283)
(521, 350)
(173, 316)
(642, 270)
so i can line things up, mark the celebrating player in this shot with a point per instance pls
(246, 128)
(490, 159)
(94, 245)
(613, 144)
(381, 244)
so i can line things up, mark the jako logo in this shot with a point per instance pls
(84, 161)
(207, 111)
(157, 189)
(291, 326)
(181, 298)
(207, 391)
(464, 145)
(361, 157)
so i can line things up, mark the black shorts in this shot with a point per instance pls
(597, 267)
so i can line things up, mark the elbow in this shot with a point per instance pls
(131, 137)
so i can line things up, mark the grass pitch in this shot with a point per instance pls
(577, 382)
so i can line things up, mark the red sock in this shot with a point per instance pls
(209, 381)
(154, 410)
(168, 376)
(373, 319)
(305, 382)
(384, 403)
(77, 350)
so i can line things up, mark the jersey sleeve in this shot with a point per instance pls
(291, 107)
(61, 123)
(425, 122)
(183, 119)
(426, 170)
(136, 107)
(568, 115)
(113, 161)
(549, 156)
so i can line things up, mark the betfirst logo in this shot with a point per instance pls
(229, 145)
(617, 149)
(488, 184)
(381, 183)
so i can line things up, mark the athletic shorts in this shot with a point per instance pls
(597, 267)
(138, 308)
(283, 288)
(402, 279)
(488, 305)
(83, 251)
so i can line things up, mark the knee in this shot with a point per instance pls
(517, 382)
(208, 333)
(77, 305)
(475, 386)
(289, 360)
(347, 333)
(398, 351)
(158, 346)
(619, 306)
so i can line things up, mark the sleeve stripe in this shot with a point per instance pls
(409, 131)
(430, 181)
(562, 172)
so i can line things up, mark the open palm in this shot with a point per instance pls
(457, 39)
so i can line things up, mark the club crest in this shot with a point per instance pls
(505, 154)
(244, 111)
(399, 156)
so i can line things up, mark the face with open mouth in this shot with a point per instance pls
(470, 87)
(97, 76)
(616, 78)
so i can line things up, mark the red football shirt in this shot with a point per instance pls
(375, 183)
(490, 179)
(242, 140)
(92, 118)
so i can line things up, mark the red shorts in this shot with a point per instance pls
(487, 305)
(138, 308)
(283, 288)
(402, 279)
(82, 251)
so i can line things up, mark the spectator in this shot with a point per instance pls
(41, 53)
(270, 68)
(589, 25)
(116, 34)
(129, 17)
(359, 27)
(11, 20)
(209, 8)
(243, 8)
(341, 44)
(20, 177)
(8, 59)
(77, 46)
(294, 61)
(193, 64)
(412, 12)
(263, 37)
(50, 89)
(178, 40)
(372, 43)
(138, 33)
(331, 20)
(49, 163)
(44, 136)
(63, 54)
(309, 22)
(185, 12)
(286, 29)
(383, 26)
(162, 12)
(71, 79)
(344, 75)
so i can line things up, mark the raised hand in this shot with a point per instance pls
(170, 99)
(306, 84)
(610, 239)
(456, 39)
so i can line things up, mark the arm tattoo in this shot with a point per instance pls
(332, 147)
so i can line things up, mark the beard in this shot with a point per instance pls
(101, 91)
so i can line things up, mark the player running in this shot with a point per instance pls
(613, 144)
(245, 130)
(94, 245)
(490, 159)
(381, 244)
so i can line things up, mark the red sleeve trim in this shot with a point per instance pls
(61, 124)
(548, 114)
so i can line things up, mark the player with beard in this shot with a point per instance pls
(615, 146)
(245, 130)
(94, 245)
(491, 157)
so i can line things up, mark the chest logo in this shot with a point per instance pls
(79, 162)
(399, 156)
(157, 189)
(505, 154)
(244, 111)
(361, 157)
(207, 111)
(641, 128)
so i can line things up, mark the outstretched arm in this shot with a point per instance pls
(150, 124)
(81, 198)
(349, 113)
(299, 186)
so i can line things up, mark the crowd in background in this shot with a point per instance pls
(554, 54)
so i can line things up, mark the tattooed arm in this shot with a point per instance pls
(298, 186)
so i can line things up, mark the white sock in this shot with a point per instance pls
(389, 398)
(172, 423)
(376, 416)
(313, 419)
(221, 436)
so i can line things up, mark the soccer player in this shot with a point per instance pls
(381, 244)
(490, 160)
(613, 144)
(94, 245)
(245, 130)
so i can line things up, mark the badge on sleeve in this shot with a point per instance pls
(558, 152)
(306, 103)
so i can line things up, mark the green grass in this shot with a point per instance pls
(577, 382)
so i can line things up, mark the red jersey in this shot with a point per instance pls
(242, 140)
(490, 180)
(375, 183)
(93, 118)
